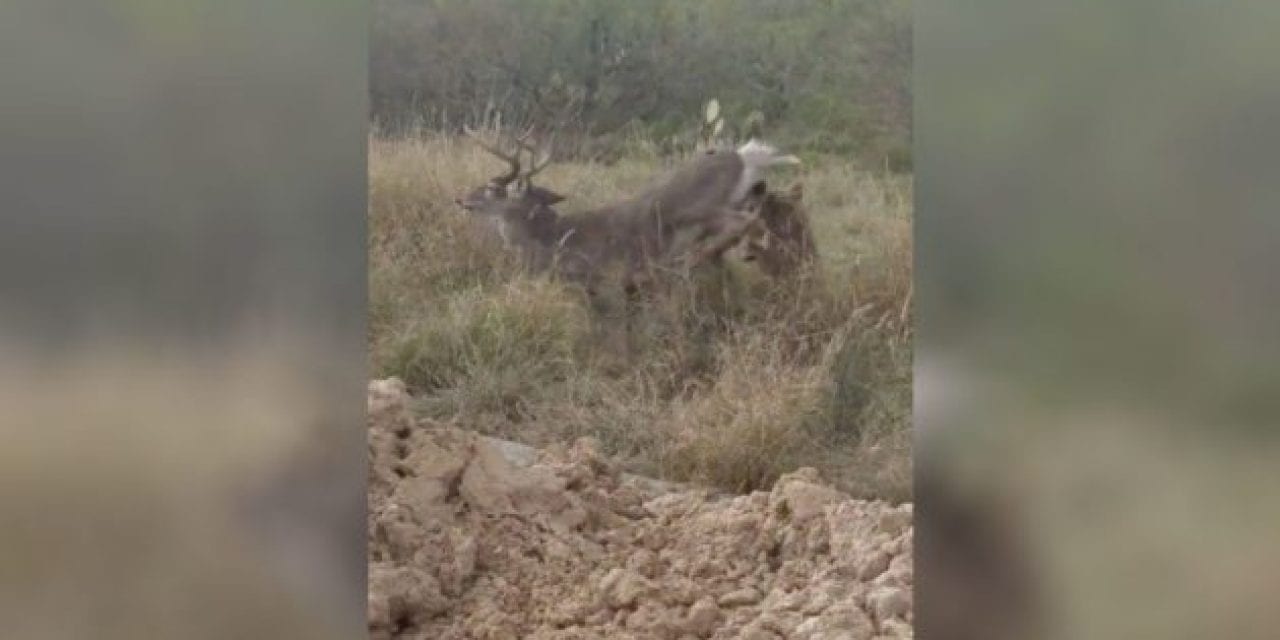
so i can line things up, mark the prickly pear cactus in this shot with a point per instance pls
(712, 124)
(713, 111)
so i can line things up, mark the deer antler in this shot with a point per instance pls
(540, 160)
(513, 159)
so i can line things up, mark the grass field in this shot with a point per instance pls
(731, 379)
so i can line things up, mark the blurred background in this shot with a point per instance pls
(1096, 372)
(181, 311)
(182, 298)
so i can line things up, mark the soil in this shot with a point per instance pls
(470, 537)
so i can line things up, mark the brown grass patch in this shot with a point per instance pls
(732, 378)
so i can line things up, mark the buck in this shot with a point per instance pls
(692, 216)
(516, 233)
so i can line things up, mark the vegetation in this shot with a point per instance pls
(729, 378)
(822, 75)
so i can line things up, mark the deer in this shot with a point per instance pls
(780, 240)
(690, 217)
(515, 233)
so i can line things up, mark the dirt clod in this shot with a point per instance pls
(470, 542)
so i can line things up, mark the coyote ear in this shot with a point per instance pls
(796, 191)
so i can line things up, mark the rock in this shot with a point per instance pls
(755, 631)
(643, 562)
(638, 620)
(798, 499)
(793, 601)
(889, 602)
(899, 573)
(782, 623)
(704, 617)
(838, 635)
(739, 598)
(844, 621)
(386, 395)
(807, 628)
(606, 584)
(896, 628)
(464, 557)
(621, 588)
(397, 594)
(873, 565)
(893, 521)
(629, 588)
(817, 604)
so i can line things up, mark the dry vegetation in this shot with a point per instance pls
(730, 379)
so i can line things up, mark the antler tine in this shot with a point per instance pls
(539, 160)
(538, 165)
(524, 136)
(512, 159)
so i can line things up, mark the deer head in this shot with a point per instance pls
(499, 191)
(780, 241)
(510, 200)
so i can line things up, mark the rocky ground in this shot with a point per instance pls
(473, 538)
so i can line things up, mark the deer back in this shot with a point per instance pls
(713, 180)
(708, 183)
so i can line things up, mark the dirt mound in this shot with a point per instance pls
(468, 541)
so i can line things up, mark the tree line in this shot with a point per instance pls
(825, 75)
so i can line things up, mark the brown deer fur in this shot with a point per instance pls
(780, 241)
(707, 203)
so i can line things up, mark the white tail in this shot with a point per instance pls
(761, 154)
(756, 157)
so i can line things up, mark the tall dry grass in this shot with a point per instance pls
(726, 378)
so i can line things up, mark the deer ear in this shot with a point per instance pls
(796, 191)
(545, 196)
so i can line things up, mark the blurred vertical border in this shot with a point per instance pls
(1098, 366)
(182, 301)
